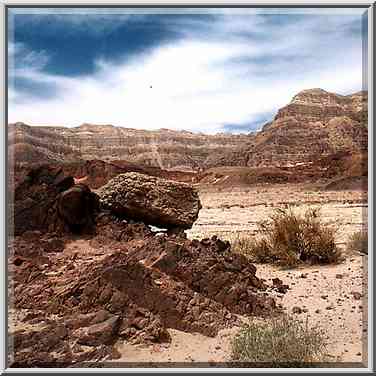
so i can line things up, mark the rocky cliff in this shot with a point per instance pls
(314, 123)
(164, 148)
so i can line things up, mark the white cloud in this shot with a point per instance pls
(200, 84)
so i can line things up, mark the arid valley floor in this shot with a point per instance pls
(328, 295)
(325, 292)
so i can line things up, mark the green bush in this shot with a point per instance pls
(288, 239)
(358, 242)
(280, 342)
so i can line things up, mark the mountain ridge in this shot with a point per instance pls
(315, 121)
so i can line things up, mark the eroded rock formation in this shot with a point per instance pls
(315, 121)
(314, 124)
(159, 202)
(164, 148)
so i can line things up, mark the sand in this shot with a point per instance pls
(324, 293)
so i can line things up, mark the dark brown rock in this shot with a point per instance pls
(47, 201)
(77, 207)
(53, 244)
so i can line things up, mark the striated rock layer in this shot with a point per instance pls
(316, 123)
(162, 148)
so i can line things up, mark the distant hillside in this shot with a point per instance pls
(315, 123)
(163, 148)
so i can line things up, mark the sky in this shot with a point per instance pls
(199, 70)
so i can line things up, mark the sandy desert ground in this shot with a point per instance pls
(332, 297)
(327, 295)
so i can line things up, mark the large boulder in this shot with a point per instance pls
(159, 202)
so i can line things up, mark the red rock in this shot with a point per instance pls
(102, 333)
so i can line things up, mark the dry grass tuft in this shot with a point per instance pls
(289, 239)
(358, 242)
(281, 342)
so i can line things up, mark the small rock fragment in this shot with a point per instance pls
(356, 295)
(297, 310)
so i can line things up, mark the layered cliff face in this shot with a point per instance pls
(319, 105)
(166, 149)
(315, 123)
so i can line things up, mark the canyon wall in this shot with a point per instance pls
(315, 123)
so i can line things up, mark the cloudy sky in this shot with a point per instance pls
(198, 70)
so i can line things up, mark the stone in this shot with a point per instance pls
(154, 201)
(53, 245)
(297, 310)
(47, 201)
(77, 206)
(277, 282)
(356, 295)
(99, 334)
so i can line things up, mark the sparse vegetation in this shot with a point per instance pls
(358, 242)
(289, 239)
(281, 342)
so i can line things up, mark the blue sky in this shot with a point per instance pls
(218, 70)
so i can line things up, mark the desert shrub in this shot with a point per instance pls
(358, 242)
(280, 342)
(288, 239)
(256, 250)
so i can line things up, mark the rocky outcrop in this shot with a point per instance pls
(49, 201)
(135, 292)
(315, 123)
(319, 105)
(126, 283)
(159, 202)
(123, 280)
(77, 207)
